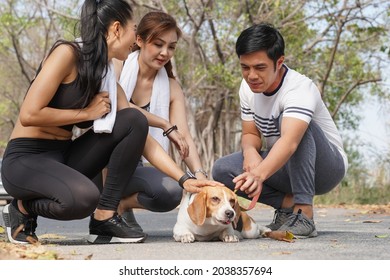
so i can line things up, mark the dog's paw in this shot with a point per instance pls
(230, 238)
(185, 238)
(263, 230)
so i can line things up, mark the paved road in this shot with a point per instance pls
(344, 234)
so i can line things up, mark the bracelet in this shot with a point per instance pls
(169, 130)
(200, 170)
(184, 178)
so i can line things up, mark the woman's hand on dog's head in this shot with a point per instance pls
(195, 185)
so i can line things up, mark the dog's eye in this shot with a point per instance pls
(232, 202)
(215, 199)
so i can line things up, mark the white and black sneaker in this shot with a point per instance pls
(280, 217)
(300, 225)
(113, 230)
(20, 228)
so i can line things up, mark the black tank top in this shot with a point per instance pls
(145, 107)
(68, 96)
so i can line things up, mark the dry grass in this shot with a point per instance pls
(356, 194)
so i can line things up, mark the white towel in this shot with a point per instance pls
(159, 101)
(106, 123)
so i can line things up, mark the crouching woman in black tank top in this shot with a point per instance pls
(47, 171)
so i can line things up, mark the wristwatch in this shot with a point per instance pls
(200, 170)
(184, 178)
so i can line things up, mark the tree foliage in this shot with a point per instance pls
(28, 29)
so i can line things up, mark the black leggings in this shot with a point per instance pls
(53, 177)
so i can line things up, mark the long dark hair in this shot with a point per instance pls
(152, 25)
(91, 48)
(96, 17)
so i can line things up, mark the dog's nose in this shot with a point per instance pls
(229, 214)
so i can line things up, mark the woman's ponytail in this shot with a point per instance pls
(96, 17)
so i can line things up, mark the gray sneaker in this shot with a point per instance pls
(300, 225)
(280, 217)
(130, 220)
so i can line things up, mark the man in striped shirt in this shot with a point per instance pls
(291, 148)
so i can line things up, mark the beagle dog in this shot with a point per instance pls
(212, 214)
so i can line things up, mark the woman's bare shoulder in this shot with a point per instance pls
(61, 62)
(63, 53)
(176, 89)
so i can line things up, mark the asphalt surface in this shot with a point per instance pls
(346, 233)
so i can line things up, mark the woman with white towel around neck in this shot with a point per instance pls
(149, 83)
(49, 173)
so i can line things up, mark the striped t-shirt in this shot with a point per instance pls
(296, 97)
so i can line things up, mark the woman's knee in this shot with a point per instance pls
(83, 203)
(132, 120)
(162, 201)
(174, 199)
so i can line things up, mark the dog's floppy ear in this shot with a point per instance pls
(237, 209)
(197, 209)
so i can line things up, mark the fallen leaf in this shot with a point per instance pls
(2, 230)
(282, 253)
(74, 253)
(88, 257)
(19, 251)
(51, 236)
(337, 245)
(372, 221)
(280, 235)
(382, 236)
(49, 255)
(263, 246)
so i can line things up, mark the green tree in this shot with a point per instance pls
(28, 28)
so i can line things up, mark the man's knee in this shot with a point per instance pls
(218, 170)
